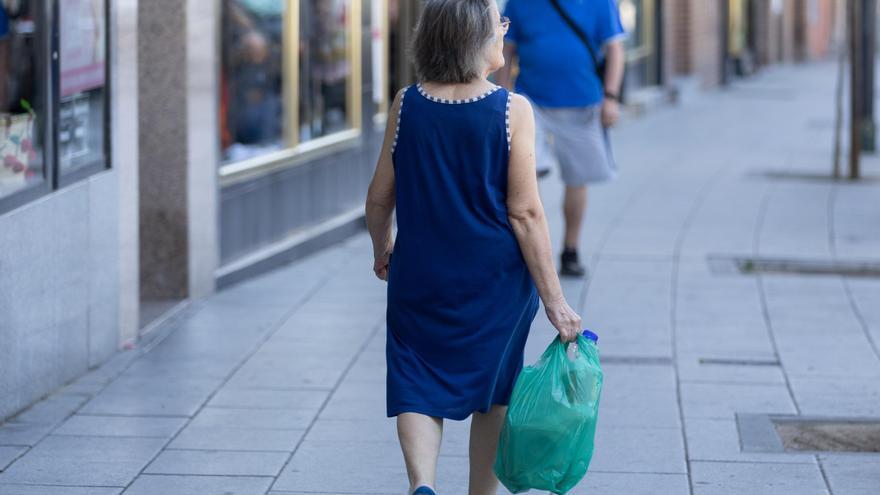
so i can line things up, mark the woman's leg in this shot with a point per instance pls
(420, 438)
(485, 430)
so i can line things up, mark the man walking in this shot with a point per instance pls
(561, 46)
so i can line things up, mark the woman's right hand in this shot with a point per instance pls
(564, 319)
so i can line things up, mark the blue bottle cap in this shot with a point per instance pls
(591, 336)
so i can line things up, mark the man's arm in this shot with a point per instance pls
(615, 62)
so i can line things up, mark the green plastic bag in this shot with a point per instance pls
(547, 439)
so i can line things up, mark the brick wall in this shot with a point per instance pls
(820, 18)
(706, 40)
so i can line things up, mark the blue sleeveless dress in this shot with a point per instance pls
(460, 297)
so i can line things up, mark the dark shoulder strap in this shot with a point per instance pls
(580, 34)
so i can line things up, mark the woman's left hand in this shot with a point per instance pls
(380, 266)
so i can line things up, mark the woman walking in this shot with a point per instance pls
(472, 253)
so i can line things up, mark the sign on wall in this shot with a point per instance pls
(82, 46)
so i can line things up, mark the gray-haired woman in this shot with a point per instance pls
(472, 253)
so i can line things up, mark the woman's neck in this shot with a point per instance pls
(458, 91)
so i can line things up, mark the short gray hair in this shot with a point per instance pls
(451, 38)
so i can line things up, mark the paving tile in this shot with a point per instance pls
(837, 396)
(137, 404)
(711, 478)
(723, 401)
(83, 461)
(632, 484)
(718, 440)
(852, 474)
(269, 399)
(218, 463)
(241, 439)
(9, 454)
(690, 369)
(120, 426)
(639, 450)
(380, 468)
(288, 419)
(54, 409)
(14, 433)
(199, 485)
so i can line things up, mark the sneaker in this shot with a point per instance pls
(570, 265)
(423, 490)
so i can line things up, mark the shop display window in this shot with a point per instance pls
(289, 79)
(53, 95)
(252, 107)
(22, 116)
(82, 101)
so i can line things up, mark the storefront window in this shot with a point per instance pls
(289, 77)
(325, 67)
(252, 106)
(21, 115)
(81, 113)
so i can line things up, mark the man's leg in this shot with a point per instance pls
(575, 208)
(420, 438)
(485, 430)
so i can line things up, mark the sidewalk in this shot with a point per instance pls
(277, 385)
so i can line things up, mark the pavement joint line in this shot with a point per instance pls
(237, 451)
(366, 343)
(762, 292)
(81, 435)
(775, 462)
(694, 208)
(146, 416)
(173, 475)
(273, 329)
(824, 475)
(45, 485)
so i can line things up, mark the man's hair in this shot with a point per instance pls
(451, 38)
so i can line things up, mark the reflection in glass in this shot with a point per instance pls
(324, 67)
(21, 160)
(252, 102)
(632, 17)
(81, 126)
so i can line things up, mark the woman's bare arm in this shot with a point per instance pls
(381, 198)
(529, 223)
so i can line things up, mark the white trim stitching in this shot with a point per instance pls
(507, 119)
(455, 102)
(399, 115)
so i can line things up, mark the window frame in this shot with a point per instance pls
(43, 21)
(647, 10)
(383, 107)
(48, 48)
(297, 153)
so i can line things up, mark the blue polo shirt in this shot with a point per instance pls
(555, 67)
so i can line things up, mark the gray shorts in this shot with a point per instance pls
(576, 140)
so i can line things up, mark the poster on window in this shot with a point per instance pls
(82, 46)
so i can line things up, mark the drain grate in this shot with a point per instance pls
(638, 360)
(740, 362)
(769, 433)
(752, 266)
(828, 436)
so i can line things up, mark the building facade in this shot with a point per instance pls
(155, 151)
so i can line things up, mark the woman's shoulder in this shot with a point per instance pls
(520, 106)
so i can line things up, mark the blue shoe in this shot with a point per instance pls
(423, 490)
